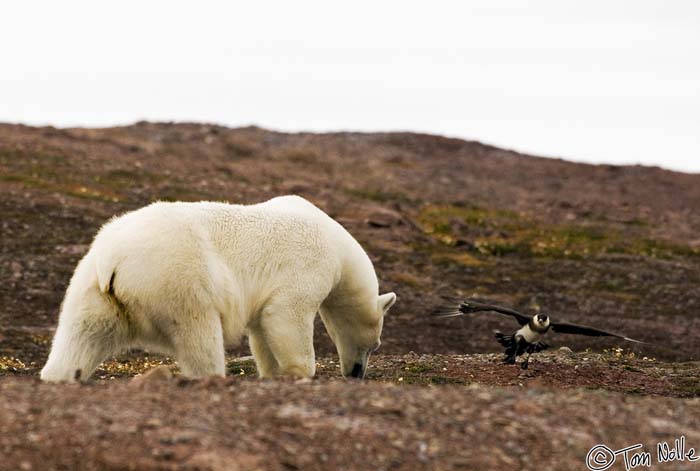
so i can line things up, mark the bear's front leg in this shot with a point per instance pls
(287, 338)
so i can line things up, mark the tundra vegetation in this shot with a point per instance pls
(442, 219)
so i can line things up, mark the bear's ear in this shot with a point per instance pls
(386, 301)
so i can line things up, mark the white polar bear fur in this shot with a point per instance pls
(188, 279)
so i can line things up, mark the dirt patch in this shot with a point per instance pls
(224, 424)
(442, 219)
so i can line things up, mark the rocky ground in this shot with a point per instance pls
(616, 247)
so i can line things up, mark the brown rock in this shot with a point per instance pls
(383, 217)
(159, 374)
(16, 268)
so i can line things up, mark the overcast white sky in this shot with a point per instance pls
(598, 81)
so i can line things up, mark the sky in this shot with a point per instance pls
(602, 81)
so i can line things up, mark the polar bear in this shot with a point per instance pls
(188, 279)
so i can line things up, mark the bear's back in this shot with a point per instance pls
(286, 234)
(356, 268)
(304, 214)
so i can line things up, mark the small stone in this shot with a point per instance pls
(153, 423)
(565, 350)
(73, 249)
(159, 374)
(16, 268)
(163, 454)
(242, 359)
(382, 217)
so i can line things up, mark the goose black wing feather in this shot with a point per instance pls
(470, 305)
(577, 329)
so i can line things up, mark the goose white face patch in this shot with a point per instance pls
(541, 322)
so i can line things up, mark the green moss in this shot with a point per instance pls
(637, 222)
(688, 388)
(70, 189)
(426, 379)
(53, 173)
(122, 178)
(377, 195)
(10, 178)
(500, 248)
(446, 380)
(131, 366)
(11, 365)
(418, 368)
(242, 368)
(502, 233)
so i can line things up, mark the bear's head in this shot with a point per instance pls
(356, 331)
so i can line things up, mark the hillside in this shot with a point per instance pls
(442, 219)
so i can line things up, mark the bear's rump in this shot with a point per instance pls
(156, 270)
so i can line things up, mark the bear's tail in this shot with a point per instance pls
(106, 265)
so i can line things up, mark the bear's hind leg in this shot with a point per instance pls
(90, 329)
(199, 346)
